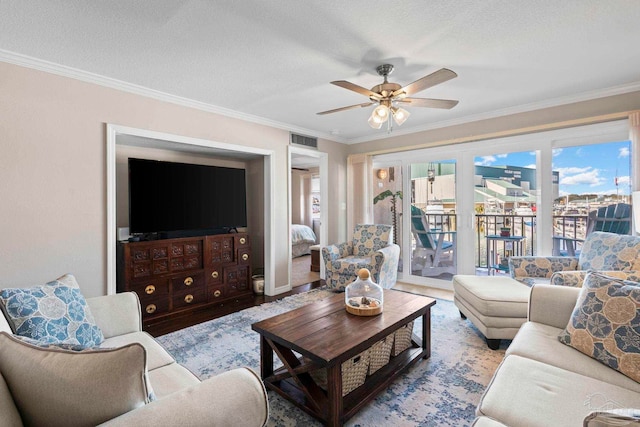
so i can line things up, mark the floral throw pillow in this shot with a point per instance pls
(605, 323)
(54, 313)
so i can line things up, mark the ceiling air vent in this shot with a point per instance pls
(306, 141)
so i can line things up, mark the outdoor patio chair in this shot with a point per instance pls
(371, 248)
(611, 219)
(428, 257)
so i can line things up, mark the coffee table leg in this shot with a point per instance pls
(426, 333)
(266, 358)
(334, 394)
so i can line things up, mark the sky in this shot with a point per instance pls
(589, 169)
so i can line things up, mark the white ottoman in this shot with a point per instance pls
(497, 306)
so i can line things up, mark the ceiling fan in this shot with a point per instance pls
(390, 96)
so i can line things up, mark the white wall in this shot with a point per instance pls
(297, 195)
(53, 214)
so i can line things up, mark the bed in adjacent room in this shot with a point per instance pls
(302, 238)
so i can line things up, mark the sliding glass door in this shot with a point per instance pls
(433, 219)
(594, 193)
(505, 203)
(450, 203)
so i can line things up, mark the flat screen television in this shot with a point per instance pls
(176, 199)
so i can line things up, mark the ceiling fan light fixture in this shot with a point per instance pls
(381, 112)
(374, 123)
(389, 94)
(400, 115)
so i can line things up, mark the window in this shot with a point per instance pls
(513, 184)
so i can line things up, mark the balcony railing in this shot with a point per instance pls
(573, 226)
(570, 226)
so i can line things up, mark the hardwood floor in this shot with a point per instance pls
(195, 316)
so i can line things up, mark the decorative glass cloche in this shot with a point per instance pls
(363, 297)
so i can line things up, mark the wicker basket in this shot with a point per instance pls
(380, 353)
(354, 373)
(402, 338)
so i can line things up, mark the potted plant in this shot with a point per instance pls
(394, 198)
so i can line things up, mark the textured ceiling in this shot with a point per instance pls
(273, 60)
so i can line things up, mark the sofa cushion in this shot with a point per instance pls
(56, 387)
(528, 393)
(539, 342)
(157, 356)
(605, 323)
(53, 313)
(10, 415)
(169, 378)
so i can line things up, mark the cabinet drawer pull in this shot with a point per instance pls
(151, 308)
(188, 281)
(214, 274)
(245, 257)
(188, 299)
(150, 289)
(217, 293)
(243, 240)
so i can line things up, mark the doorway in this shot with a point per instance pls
(307, 214)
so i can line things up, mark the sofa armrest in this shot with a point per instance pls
(334, 252)
(117, 314)
(540, 266)
(568, 278)
(234, 398)
(387, 263)
(552, 305)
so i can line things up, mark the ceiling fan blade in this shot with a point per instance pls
(429, 102)
(440, 76)
(354, 87)
(366, 104)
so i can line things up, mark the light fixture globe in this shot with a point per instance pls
(374, 123)
(400, 115)
(381, 112)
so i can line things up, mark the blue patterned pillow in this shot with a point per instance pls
(605, 323)
(55, 313)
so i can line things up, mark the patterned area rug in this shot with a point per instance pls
(443, 390)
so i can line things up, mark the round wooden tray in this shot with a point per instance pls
(361, 311)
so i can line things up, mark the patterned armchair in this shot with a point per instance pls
(613, 254)
(371, 248)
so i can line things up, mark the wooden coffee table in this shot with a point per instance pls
(324, 336)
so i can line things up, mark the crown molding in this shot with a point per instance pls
(85, 76)
(547, 103)
(74, 73)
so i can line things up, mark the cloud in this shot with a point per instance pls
(501, 156)
(531, 166)
(557, 151)
(572, 170)
(623, 152)
(532, 153)
(590, 178)
(485, 161)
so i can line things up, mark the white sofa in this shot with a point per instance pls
(236, 397)
(542, 382)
